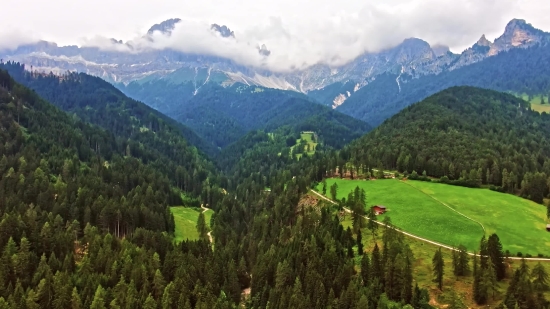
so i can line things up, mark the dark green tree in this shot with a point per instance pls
(438, 268)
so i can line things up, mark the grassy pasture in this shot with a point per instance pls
(428, 210)
(186, 222)
(536, 103)
(308, 138)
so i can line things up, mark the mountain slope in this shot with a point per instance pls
(465, 133)
(135, 129)
(46, 153)
(223, 115)
(516, 71)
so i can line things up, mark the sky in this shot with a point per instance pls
(299, 33)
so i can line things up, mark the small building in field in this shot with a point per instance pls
(379, 209)
(548, 227)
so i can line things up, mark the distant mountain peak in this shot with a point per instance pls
(164, 27)
(515, 24)
(483, 41)
(518, 33)
(224, 31)
(264, 51)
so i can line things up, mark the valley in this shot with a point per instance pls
(340, 164)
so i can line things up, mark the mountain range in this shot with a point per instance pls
(413, 56)
(372, 87)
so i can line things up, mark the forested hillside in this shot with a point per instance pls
(519, 71)
(96, 101)
(84, 226)
(468, 135)
(222, 115)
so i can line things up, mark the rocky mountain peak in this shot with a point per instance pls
(517, 24)
(164, 27)
(411, 49)
(518, 33)
(483, 41)
(224, 31)
(264, 51)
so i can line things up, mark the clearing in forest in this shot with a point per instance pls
(307, 141)
(538, 103)
(455, 215)
(186, 222)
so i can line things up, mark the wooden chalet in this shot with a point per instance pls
(379, 209)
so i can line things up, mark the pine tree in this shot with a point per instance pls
(334, 191)
(460, 261)
(490, 279)
(438, 268)
(76, 303)
(494, 248)
(359, 243)
(540, 278)
(98, 301)
(149, 303)
(202, 228)
(377, 270)
(365, 269)
(168, 300)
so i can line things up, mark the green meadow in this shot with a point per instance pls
(308, 137)
(455, 215)
(186, 222)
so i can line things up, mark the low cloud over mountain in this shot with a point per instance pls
(299, 35)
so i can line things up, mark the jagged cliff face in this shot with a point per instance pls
(413, 57)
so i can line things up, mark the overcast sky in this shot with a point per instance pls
(298, 32)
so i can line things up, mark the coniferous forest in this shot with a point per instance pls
(86, 187)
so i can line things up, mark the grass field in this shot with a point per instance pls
(426, 210)
(536, 103)
(308, 138)
(186, 222)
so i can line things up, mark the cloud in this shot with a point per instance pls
(301, 33)
(10, 39)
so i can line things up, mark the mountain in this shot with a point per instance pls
(164, 27)
(222, 115)
(124, 63)
(135, 129)
(518, 71)
(85, 224)
(75, 170)
(471, 136)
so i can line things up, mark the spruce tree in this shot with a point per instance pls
(438, 268)
(494, 248)
(540, 278)
(359, 242)
(365, 269)
(202, 228)
(99, 299)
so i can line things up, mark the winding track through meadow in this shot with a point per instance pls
(424, 239)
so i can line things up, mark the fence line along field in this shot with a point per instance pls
(186, 222)
(455, 215)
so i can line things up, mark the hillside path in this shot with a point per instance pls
(421, 238)
(205, 209)
(440, 202)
